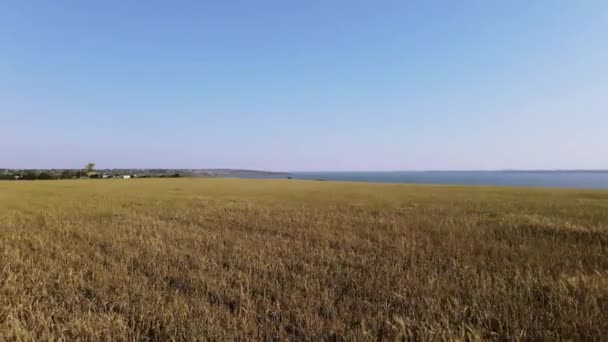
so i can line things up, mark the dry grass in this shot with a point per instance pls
(220, 259)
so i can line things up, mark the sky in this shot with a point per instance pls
(304, 85)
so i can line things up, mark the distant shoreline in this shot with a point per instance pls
(456, 171)
(587, 179)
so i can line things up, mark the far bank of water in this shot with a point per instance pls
(553, 179)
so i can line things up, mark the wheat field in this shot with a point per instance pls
(226, 259)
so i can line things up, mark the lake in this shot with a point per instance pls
(553, 179)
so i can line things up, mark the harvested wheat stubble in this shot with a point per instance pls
(196, 259)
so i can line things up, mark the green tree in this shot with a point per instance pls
(45, 175)
(7, 176)
(29, 175)
(67, 174)
(90, 167)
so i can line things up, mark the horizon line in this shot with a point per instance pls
(317, 171)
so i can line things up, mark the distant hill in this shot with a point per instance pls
(232, 173)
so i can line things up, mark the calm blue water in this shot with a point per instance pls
(554, 179)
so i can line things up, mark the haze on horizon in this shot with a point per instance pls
(315, 85)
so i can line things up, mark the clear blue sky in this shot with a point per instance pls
(304, 85)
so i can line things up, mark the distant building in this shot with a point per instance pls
(126, 176)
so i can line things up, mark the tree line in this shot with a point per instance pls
(88, 172)
(43, 175)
